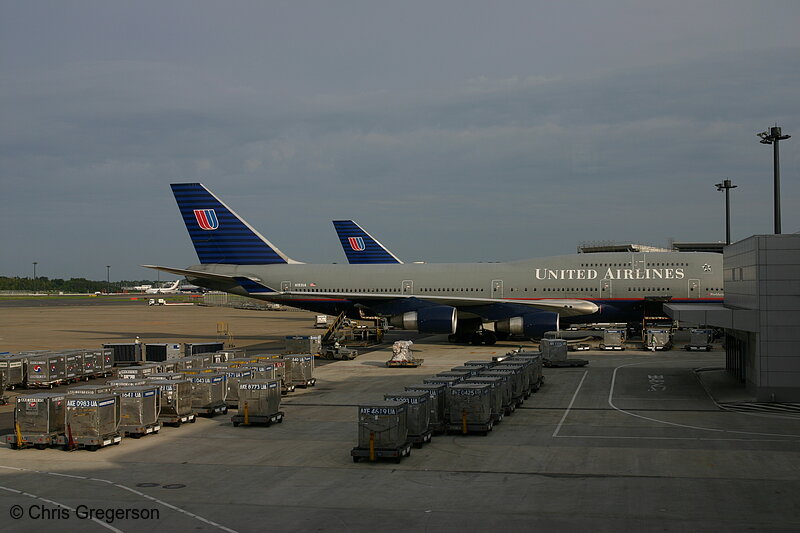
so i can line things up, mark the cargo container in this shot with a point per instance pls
(497, 384)
(527, 371)
(137, 372)
(471, 370)
(195, 348)
(46, 370)
(302, 369)
(91, 364)
(460, 375)
(470, 408)
(160, 352)
(382, 432)
(92, 421)
(447, 381)
(73, 365)
(176, 401)
(260, 369)
(222, 356)
(304, 344)
(166, 375)
(553, 350)
(613, 339)
(418, 415)
(700, 340)
(130, 382)
(193, 362)
(14, 367)
(208, 393)
(233, 376)
(259, 402)
(167, 367)
(515, 378)
(536, 360)
(124, 354)
(104, 358)
(91, 389)
(283, 372)
(482, 364)
(658, 339)
(38, 420)
(437, 404)
(509, 403)
(140, 409)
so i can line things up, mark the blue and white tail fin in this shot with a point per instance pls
(360, 247)
(219, 235)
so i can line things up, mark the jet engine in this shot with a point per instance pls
(531, 325)
(438, 319)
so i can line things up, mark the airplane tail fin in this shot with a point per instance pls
(360, 247)
(219, 235)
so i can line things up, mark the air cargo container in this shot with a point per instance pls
(38, 420)
(259, 402)
(437, 404)
(140, 409)
(382, 432)
(92, 421)
(418, 415)
(470, 408)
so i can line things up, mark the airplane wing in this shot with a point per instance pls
(563, 306)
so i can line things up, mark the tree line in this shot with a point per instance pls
(80, 285)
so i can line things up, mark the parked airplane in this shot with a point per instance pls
(360, 247)
(527, 297)
(167, 289)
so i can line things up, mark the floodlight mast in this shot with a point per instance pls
(726, 186)
(773, 136)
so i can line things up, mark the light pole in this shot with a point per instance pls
(727, 186)
(108, 278)
(34, 276)
(772, 136)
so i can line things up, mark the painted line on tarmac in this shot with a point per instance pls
(569, 407)
(58, 504)
(675, 424)
(129, 489)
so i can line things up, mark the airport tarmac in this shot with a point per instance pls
(634, 441)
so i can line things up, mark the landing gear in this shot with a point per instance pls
(483, 336)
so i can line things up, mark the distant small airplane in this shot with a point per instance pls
(169, 289)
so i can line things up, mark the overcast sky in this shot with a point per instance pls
(452, 131)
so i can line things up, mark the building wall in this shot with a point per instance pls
(762, 273)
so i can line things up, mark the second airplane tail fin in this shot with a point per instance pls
(360, 247)
(219, 235)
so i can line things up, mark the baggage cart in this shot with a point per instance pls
(382, 432)
(497, 384)
(259, 402)
(509, 403)
(140, 409)
(438, 404)
(700, 340)
(418, 415)
(613, 339)
(302, 368)
(232, 378)
(403, 356)
(46, 371)
(208, 394)
(38, 420)
(176, 401)
(92, 421)
(470, 408)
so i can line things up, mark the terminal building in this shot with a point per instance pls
(760, 315)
